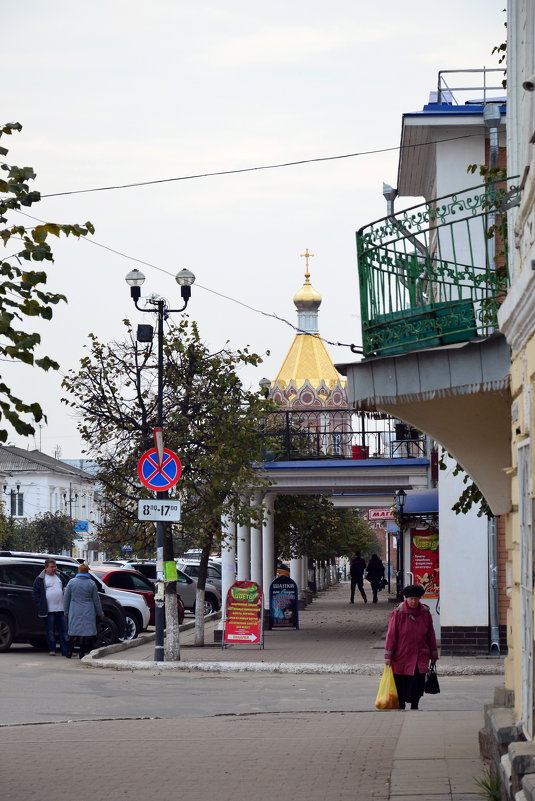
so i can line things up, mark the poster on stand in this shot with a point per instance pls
(283, 603)
(425, 561)
(244, 615)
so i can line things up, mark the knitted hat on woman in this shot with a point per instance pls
(413, 591)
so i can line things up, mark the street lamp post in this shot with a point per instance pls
(13, 500)
(135, 279)
(401, 496)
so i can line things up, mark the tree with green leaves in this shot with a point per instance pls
(51, 532)
(211, 421)
(22, 292)
(311, 525)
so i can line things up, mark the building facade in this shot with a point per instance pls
(35, 483)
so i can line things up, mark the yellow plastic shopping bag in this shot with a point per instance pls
(387, 695)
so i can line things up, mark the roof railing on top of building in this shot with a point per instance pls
(298, 434)
(445, 93)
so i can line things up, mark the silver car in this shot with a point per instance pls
(191, 568)
(187, 587)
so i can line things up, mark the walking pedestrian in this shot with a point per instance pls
(47, 592)
(410, 646)
(375, 573)
(357, 567)
(82, 606)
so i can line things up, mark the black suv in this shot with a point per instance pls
(18, 612)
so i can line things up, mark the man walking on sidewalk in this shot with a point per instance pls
(357, 566)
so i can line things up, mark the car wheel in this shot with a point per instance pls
(133, 625)
(210, 604)
(107, 633)
(7, 632)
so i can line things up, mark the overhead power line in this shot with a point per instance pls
(253, 169)
(353, 348)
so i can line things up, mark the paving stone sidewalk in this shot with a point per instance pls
(334, 636)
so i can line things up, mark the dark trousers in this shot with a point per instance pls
(410, 688)
(357, 582)
(55, 622)
(376, 585)
(85, 644)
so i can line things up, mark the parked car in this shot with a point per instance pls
(132, 581)
(18, 612)
(187, 587)
(137, 612)
(191, 569)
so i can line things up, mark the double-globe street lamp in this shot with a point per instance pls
(145, 333)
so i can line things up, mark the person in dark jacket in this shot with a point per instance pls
(375, 573)
(410, 646)
(82, 606)
(47, 592)
(357, 566)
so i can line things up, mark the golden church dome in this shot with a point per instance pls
(307, 298)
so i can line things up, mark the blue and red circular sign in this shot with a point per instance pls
(159, 477)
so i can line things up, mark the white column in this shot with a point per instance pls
(228, 559)
(268, 546)
(256, 545)
(243, 542)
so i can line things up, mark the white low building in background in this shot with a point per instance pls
(34, 483)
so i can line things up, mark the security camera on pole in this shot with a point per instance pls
(159, 469)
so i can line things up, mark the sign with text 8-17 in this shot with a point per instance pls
(158, 510)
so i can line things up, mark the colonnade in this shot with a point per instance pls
(248, 552)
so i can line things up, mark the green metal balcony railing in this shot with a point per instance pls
(435, 274)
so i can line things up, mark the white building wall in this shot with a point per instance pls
(463, 558)
(454, 157)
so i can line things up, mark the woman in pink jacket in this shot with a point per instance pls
(410, 646)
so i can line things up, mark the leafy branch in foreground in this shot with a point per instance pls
(22, 292)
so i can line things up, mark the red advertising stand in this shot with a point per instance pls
(244, 615)
(425, 561)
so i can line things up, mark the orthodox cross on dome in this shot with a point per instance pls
(307, 256)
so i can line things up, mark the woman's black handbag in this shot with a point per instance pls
(431, 685)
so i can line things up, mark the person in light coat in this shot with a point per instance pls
(410, 646)
(82, 607)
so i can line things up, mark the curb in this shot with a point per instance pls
(95, 660)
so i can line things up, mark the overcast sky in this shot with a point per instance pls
(119, 92)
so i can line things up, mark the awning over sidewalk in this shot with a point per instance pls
(421, 502)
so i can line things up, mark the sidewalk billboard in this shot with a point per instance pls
(244, 614)
(425, 561)
(283, 603)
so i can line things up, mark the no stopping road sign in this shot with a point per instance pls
(159, 477)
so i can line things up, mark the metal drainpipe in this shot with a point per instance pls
(492, 118)
(493, 589)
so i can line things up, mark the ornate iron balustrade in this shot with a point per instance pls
(338, 434)
(435, 274)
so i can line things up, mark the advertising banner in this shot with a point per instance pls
(425, 561)
(380, 514)
(244, 614)
(283, 604)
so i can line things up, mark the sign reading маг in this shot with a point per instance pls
(283, 604)
(244, 614)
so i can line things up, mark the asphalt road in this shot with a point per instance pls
(37, 688)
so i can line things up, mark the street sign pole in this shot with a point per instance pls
(159, 616)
